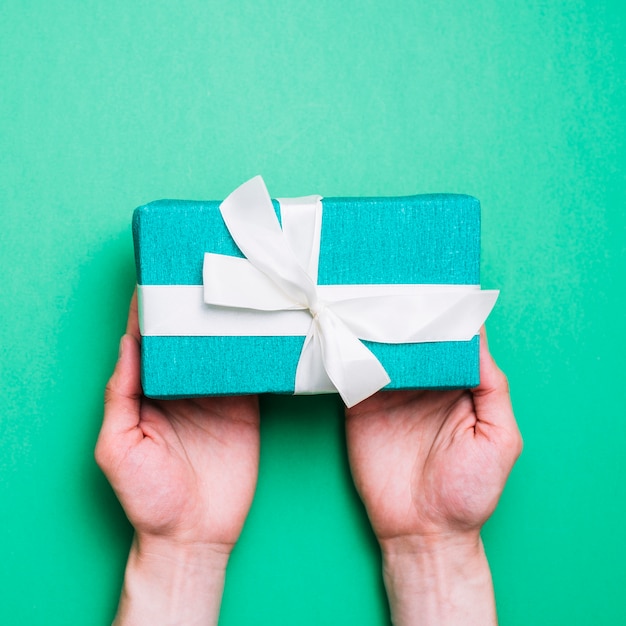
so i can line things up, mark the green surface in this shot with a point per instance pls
(107, 105)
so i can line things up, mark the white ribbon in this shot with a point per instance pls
(277, 280)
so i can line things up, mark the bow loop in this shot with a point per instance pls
(249, 216)
(351, 368)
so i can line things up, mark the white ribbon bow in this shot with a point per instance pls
(333, 356)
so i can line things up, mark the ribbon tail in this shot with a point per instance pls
(350, 365)
(463, 320)
(432, 316)
(311, 376)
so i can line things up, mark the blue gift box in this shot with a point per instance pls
(424, 239)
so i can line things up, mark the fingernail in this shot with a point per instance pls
(121, 348)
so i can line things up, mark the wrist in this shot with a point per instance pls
(431, 545)
(169, 582)
(438, 579)
(157, 548)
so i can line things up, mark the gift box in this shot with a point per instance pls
(427, 245)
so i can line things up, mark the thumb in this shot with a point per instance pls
(122, 397)
(492, 399)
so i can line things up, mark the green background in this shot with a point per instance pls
(108, 105)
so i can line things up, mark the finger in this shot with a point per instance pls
(492, 398)
(492, 379)
(122, 398)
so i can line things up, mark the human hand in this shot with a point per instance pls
(430, 467)
(185, 473)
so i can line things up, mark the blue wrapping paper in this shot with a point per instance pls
(426, 239)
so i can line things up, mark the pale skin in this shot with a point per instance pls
(185, 472)
(429, 466)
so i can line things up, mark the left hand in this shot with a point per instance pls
(431, 464)
(430, 467)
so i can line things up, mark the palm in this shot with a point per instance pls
(423, 463)
(183, 469)
(190, 468)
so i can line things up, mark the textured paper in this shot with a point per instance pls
(424, 239)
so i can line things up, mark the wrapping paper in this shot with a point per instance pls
(428, 239)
